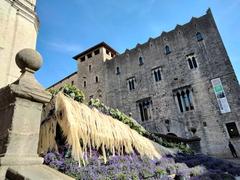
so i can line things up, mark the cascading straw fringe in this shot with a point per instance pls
(96, 130)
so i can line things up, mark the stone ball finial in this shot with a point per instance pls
(29, 58)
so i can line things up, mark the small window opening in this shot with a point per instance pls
(192, 62)
(167, 50)
(157, 74)
(232, 130)
(97, 52)
(131, 83)
(107, 52)
(82, 59)
(84, 84)
(90, 68)
(145, 108)
(72, 82)
(118, 71)
(204, 124)
(199, 36)
(89, 55)
(96, 79)
(140, 59)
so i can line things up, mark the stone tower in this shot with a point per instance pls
(18, 30)
(91, 70)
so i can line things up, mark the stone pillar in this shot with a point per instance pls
(20, 116)
(20, 109)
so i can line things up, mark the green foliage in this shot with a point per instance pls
(53, 91)
(70, 91)
(121, 176)
(160, 172)
(146, 173)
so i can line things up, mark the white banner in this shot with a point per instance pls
(220, 95)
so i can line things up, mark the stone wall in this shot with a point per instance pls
(71, 79)
(19, 27)
(212, 62)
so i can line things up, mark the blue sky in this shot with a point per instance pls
(69, 27)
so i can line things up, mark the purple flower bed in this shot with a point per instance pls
(126, 167)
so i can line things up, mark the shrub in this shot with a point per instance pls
(70, 91)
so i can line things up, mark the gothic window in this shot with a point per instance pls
(96, 52)
(96, 79)
(117, 70)
(192, 62)
(140, 59)
(184, 99)
(131, 83)
(82, 59)
(199, 36)
(232, 130)
(89, 68)
(167, 50)
(144, 106)
(84, 84)
(157, 74)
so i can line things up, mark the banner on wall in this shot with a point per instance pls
(220, 95)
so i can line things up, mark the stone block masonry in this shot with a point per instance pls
(18, 30)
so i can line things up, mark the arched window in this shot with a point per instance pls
(157, 74)
(199, 36)
(179, 102)
(96, 79)
(89, 68)
(185, 103)
(140, 59)
(190, 63)
(189, 99)
(118, 71)
(167, 50)
(194, 62)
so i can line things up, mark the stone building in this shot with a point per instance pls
(18, 30)
(181, 82)
(71, 79)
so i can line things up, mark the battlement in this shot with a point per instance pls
(164, 38)
(178, 30)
